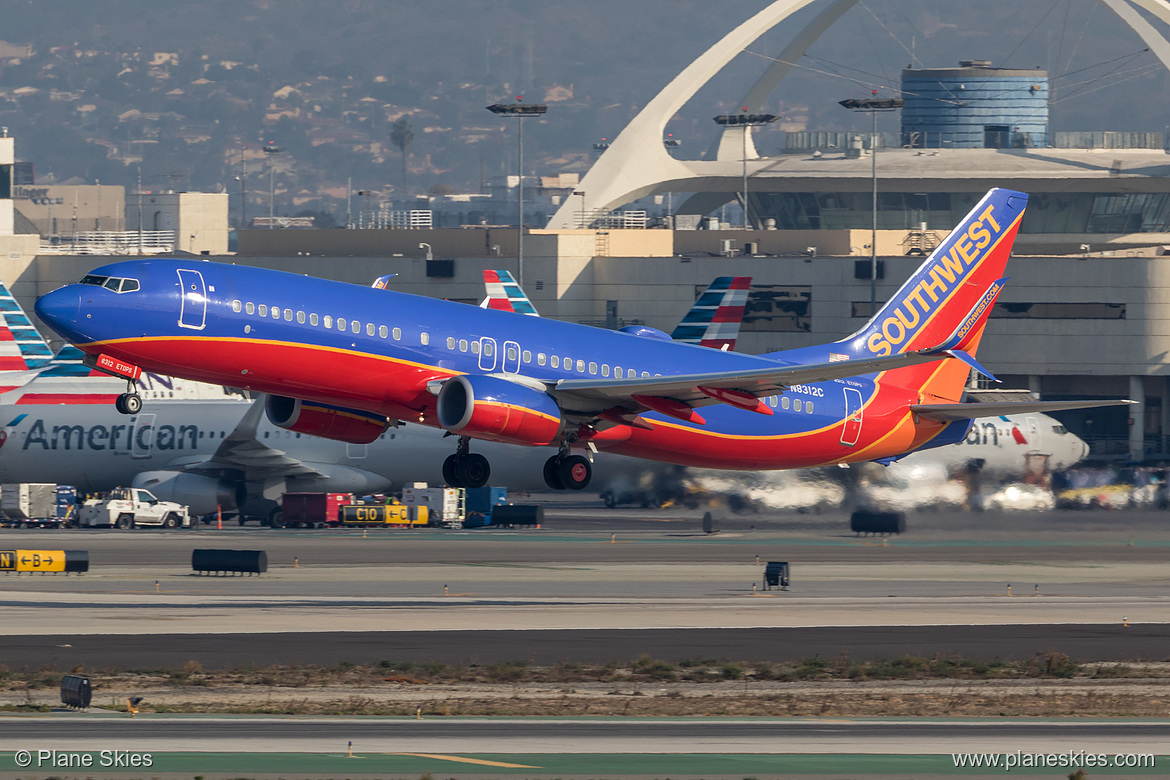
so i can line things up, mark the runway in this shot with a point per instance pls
(67, 731)
(599, 586)
(546, 647)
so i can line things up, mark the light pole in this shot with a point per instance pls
(873, 106)
(582, 194)
(271, 148)
(746, 121)
(521, 111)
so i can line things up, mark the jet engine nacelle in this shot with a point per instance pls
(325, 420)
(488, 407)
(202, 494)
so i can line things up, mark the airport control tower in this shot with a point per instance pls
(974, 106)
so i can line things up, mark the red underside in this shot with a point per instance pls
(399, 391)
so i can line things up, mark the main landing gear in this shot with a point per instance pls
(129, 402)
(567, 472)
(466, 469)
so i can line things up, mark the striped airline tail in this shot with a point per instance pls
(715, 318)
(21, 346)
(946, 303)
(504, 294)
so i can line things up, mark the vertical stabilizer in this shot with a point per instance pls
(946, 302)
(715, 318)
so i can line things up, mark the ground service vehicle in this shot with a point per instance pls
(310, 510)
(446, 506)
(131, 508)
(37, 504)
(381, 515)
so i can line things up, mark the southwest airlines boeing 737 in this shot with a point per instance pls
(346, 362)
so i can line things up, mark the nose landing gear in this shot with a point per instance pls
(466, 469)
(129, 402)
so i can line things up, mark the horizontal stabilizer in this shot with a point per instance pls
(950, 412)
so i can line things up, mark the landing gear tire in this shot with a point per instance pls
(451, 472)
(575, 472)
(552, 473)
(472, 470)
(128, 403)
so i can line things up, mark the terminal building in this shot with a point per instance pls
(1086, 313)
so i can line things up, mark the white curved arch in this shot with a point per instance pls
(637, 164)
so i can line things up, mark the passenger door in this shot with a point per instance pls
(192, 300)
(142, 436)
(851, 432)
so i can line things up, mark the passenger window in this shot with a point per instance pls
(340, 323)
(369, 329)
(425, 338)
(383, 331)
(397, 334)
(784, 402)
(592, 367)
(328, 321)
(301, 317)
(450, 342)
(355, 326)
(475, 347)
(645, 374)
(313, 320)
(527, 356)
(237, 307)
(556, 361)
(488, 350)
(511, 353)
(263, 310)
(568, 364)
(462, 345)
(617, 372)
(605, 369)
(808, 407)
(540, 360)
(288, 315)
(276, 312)
(796, 404)
(250, 308)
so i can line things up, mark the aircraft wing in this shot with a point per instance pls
(242, 451)
(593, 394)
(949, 412)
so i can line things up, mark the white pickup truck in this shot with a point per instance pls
(131, 507)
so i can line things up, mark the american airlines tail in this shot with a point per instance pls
(21, 346)
(715, 318)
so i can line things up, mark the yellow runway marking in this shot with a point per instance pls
(462, 760)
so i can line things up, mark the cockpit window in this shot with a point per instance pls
(1060, 429)
(113, 283)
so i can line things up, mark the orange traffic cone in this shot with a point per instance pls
(218, 517)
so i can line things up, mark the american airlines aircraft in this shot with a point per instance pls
(347, 363)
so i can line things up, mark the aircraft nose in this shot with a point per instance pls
(60, 309)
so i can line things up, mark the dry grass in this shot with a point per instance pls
(1048, 684)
